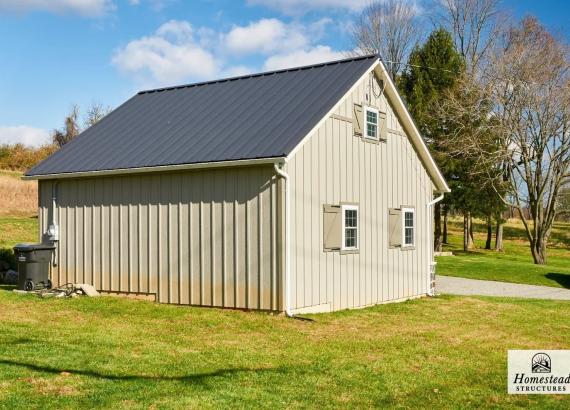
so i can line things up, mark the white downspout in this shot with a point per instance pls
(279, 170)
(53, 228)
(431, 243)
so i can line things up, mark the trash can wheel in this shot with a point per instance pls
(29, 286)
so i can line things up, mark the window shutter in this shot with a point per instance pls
(395, 228)
(383, 126)
(331, 227)
(357, 119)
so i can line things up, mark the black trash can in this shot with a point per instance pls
(33, 265)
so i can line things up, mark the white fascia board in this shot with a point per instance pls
(160, 168)
(412, 130)
(332, 110)
(403, 114)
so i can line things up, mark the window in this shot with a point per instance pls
(408, 224)
(349, 227)
(371, 123)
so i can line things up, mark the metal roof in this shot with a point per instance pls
(256, 116)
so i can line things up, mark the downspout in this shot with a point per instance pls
(279, 170)
(432, 262)
(53, 228)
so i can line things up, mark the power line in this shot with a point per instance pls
(419, 66)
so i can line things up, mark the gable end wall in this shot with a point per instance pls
(334, 166)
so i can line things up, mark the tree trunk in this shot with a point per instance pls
(538, 249)
(437, 245)
(470, 241)
(445, 211)
(465, 231)
(489, 233)
(499, 237)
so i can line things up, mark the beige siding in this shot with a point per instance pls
(335, 166)
(195, 237)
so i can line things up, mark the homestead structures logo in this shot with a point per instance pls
(541, 363)
(539, 372)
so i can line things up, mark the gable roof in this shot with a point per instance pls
(261, 118)
(256, 116)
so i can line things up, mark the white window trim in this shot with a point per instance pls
(343, 246)
(365, 110)
(404, 244)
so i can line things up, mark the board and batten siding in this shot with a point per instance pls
(195, 237)
(335, 166)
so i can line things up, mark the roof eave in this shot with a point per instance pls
(159, 168)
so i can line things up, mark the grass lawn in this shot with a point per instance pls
(13, 230)
(444, 352)
(17, 229)
(513, 265)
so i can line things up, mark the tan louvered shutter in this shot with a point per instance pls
(383, 126)
(331, 227)
(357, 119)
(394, 228)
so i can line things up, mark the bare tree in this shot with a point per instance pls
(525, 144)
(70, 128)
(95, 113)
(389, 28)
(473, 24)
(565, 203)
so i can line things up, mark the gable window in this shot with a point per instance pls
(349, 227)
(371, 123)
(408, 227)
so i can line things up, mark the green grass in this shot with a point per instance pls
(8, 173)
(444, 352)
(13, 230)
(514, 264)
(17, 229)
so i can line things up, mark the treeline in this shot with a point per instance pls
(19, 157)
(491, 96)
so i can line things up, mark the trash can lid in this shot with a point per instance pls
(30, 247)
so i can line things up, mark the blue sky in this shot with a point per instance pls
(55, 53)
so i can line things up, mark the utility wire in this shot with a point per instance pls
(420, 66)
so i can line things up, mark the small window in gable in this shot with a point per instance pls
(408, 227)
(371, 118)
(349, 227)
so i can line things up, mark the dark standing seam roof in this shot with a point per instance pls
(257, 116)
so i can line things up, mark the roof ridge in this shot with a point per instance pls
(260, 74)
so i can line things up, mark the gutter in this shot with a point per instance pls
(279, 170)
(159, 168)
(430, 232)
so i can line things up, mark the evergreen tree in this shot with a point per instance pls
(433, 69)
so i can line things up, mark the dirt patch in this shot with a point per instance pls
(64, 384)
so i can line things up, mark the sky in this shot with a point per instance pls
(56, 53)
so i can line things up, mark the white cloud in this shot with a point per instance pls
(156, 5)
(317, 54)
(265, 36)
(23, 134)
(86, 8)
(297, 7)
(236, 71)
(170, 55)
(178, 30)
(177, 52)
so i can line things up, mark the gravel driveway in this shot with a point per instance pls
(461, 286)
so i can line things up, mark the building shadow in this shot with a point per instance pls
(194, 378)
(562, 279)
